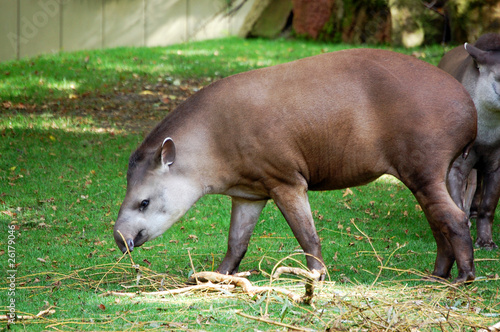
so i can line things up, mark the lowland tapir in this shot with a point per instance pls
(326, 122)
(477, 67)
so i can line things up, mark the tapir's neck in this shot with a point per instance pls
(195, 155)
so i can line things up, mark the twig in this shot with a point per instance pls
(374, 250)
(128, 249)
(41, 314)
(263, 320)
(192, 265)
(111, 269)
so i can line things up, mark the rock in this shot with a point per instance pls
(253, 16)
(272, 20)
(310, 17)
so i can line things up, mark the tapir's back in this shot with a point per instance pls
(340, 119)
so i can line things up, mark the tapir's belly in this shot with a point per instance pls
(322, 167)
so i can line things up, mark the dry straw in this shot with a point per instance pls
(348, 306)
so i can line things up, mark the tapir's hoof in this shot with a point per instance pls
(486, 245)
(465, 278)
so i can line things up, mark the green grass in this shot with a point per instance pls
(62, 180)
(34, 80)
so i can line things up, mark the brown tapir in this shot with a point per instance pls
(478, 69)
(326, 122)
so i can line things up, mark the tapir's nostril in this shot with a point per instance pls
(130, 244)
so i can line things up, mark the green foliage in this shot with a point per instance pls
(62, 179)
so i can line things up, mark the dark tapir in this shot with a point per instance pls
(478, 68)
(322, 123)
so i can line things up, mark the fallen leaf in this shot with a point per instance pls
(92, 254)
(193, 237)
(348, 191)
(9, 213)
(40, 260)
(102, 307)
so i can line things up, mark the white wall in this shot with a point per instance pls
(31, 27)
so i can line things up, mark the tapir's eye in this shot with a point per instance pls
(144, 204)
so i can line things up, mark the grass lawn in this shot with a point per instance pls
(68, 124)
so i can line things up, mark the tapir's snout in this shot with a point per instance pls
(132, 240)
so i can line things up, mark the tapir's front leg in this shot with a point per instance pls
(244, 217)
(486, 210)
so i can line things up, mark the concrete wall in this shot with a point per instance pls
(31, 27)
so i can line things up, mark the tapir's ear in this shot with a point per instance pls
(480, 56)
(167, 152)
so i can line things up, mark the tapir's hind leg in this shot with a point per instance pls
(293, 203)
(449, 226)
(244, 217)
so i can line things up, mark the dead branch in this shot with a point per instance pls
(205, 286)
(314, 275)
(311, 279)
(244, 283)
(495, 327)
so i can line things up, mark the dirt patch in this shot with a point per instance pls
(131, 106)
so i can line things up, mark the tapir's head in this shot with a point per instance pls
(486, 55)
(157, 196)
